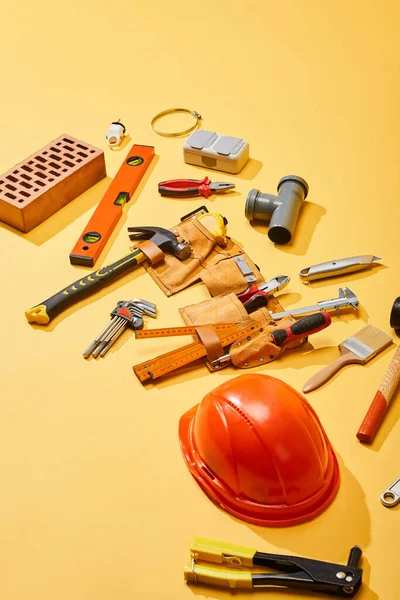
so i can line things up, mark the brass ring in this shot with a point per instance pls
(171, 111)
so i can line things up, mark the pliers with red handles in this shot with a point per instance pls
(271, 287)
(192, 187)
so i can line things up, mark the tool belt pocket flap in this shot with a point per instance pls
(221, 309)
(224, 275)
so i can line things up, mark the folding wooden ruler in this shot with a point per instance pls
(170, 361)
(107, 214)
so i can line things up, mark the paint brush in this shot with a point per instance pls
(359, 348)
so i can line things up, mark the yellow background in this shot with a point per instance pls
(96, 501)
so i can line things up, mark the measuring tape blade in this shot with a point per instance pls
(94, 237)
(166, 363)
(175, 331)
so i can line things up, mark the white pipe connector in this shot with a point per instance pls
(115, 134)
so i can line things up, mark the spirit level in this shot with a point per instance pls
(104, 219)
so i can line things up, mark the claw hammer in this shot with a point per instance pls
(157, 241)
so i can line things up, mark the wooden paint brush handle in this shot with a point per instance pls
(346, 357)
(379, 405)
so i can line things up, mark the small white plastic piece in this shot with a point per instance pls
(115, 134)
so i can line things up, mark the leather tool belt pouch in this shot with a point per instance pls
(208, 262)
(245, 353)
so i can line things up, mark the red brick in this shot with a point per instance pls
(39, 186)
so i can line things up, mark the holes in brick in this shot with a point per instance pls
(22, 200)
(36, 190)
(1, 181)
(58, 143)
(45, 152)
(41, 167)
(83, 147)
(15, 172)
(26, 168)
(68, 148)
(26, 176)
(40, 183)
(10, 187)
(24, 194)
(64, 170)
(55, 165)
(68, 163)
(55, 173)
(40, 158)
(55, 157)
(67, 140)
(78, 160)
(51, 179)
(11, 178)
(39, 174)
(69, 155)
(28, 186)
(10, 196)
(82, 154)
(91, 152)
(30, 162)
(55, 149)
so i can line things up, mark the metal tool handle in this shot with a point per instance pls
(391, 496)
(45, 311)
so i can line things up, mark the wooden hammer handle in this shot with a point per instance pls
(376, 411)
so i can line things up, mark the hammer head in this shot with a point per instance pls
(163, 238)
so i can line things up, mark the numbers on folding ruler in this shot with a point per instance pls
(166, 363)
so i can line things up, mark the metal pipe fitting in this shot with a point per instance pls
(282, 210)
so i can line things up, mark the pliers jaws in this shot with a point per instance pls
(219, 186)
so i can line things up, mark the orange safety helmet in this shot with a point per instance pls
(257, 448)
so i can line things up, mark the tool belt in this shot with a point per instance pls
(208, 262)
(254, 349)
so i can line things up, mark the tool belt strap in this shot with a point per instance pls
(210, 340)
(153, 252)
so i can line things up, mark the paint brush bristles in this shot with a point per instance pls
(367, 342)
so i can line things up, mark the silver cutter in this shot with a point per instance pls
(346, 299)
(275, 285)
(340, 266)
(391, 496)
